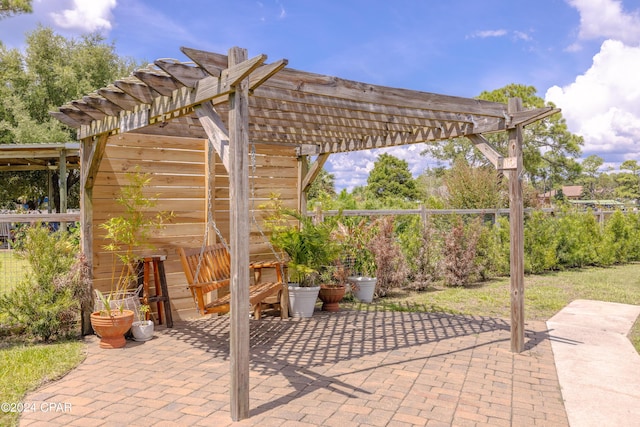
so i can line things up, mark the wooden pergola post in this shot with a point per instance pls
(239, 236)
(62, 182)
(516, 219)
(86, 226)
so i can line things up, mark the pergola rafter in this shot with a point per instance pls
(231, 100)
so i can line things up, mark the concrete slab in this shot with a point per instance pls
(598, 367)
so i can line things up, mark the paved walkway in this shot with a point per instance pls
(598, 367)
(342, 369)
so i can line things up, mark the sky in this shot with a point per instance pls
(582, 55)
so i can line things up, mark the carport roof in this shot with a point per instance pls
(28, 157)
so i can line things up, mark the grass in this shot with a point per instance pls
(545, 295)
(24, 367)
(12, 270)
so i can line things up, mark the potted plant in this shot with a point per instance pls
(309, 248)
(127, 233)
(360, 261)
(142, 329)
(333, 286)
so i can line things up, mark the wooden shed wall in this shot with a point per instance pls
(179, 181)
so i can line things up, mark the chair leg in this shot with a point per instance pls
(257, 311)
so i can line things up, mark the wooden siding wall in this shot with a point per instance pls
(178, 167)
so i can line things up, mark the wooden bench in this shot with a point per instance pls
(212, 266)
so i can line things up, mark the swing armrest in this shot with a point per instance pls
(257, 266)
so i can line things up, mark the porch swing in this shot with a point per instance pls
(208, 268)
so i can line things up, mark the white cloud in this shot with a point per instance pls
(489, 33)
(607, 19)
(89, 16)
(352, 169)
(603, 104)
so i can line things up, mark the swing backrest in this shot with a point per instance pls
(211, 265)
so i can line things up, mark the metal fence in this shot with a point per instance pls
(13, 268)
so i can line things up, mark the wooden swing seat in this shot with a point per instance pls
(214, 274)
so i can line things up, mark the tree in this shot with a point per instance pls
(323, 186)
(628, 182)
(590, 174)
(549, 149)
(474, 188)
(51, 71)
(14, 7)
(391, 178)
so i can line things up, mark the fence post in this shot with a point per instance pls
(318, 216)
(424, 215)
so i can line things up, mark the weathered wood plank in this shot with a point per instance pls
(129, 165)
(313, 172)
(186, 74)
(155, 153)
(102, 104)
(485, 147)
(336, 87)
(83, 106)
(136, 89)
(239, 286)
(516, 224)
(118, 97)
(131, 139)
(527, 117)
(158, 80)
(216, 130)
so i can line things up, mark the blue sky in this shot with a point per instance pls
(584, 55)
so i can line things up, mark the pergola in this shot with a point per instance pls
(60, 156)
(233, 100)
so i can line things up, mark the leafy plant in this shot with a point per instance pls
(308, 245)
(391, 265)
(355, 238)
(459, 253)
(422, 250)
(128, 233)
(142, 312)
(540, 243)
(47, 304)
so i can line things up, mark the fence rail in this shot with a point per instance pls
(319, 214)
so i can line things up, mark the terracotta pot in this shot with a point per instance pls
(111, 329)
(331, 296)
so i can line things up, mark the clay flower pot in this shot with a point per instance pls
(331, 296)
(111, 329)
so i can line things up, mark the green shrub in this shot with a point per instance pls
(617, 238)
(491, 258)
(47, 303)
(540, 243)
(422, 251)
(578, 237)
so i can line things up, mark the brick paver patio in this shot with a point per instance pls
(349, 368)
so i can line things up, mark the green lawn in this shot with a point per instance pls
(24, 367)
(12, 270)
(545, 295)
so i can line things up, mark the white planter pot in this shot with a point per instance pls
(302, 300)
(363, 287)
(142, 330)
